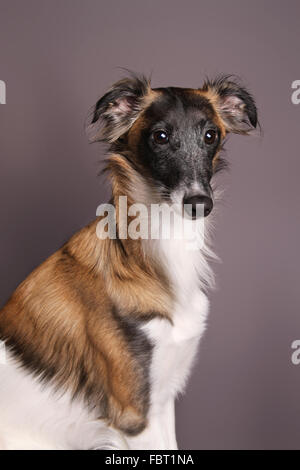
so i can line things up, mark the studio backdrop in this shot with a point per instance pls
(56, 58)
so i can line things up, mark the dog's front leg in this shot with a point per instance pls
(168, 424)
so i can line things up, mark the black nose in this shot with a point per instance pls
(190, 204)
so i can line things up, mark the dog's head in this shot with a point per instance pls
(174, 135)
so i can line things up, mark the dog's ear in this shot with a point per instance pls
(117, 110)
(234, 104)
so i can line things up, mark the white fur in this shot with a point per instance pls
(175, 344)
(35, 417)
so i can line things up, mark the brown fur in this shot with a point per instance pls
(61, 323)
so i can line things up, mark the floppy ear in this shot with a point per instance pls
(117, 110)
(234, 104)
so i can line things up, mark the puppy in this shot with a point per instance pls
(101, 337)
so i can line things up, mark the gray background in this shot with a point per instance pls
(57, 58)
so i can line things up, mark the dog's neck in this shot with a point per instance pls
(167, 262)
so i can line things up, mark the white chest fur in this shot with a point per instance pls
(175, 344)
(175, 347)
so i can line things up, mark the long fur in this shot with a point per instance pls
(102, 336)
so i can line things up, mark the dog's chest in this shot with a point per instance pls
(175, 347)
(175, 344)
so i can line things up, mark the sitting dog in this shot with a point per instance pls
(101, 337)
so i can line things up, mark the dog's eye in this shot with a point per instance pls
(160, 137)
(210, 136)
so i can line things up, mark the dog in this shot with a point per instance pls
(101, 337)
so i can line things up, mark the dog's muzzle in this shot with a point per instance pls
(197, 205)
